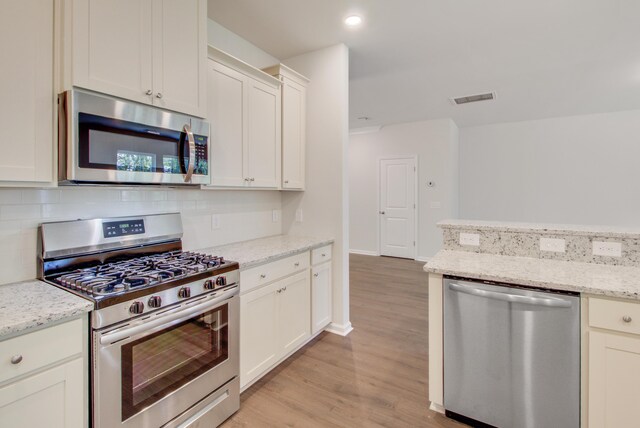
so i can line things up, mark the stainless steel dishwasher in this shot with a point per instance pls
(511, 355)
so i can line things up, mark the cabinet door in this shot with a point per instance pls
(227, 117)
(614, 380)
(52, 399)
(320, 297)
(262, 162)
(259, 347)
(26, 110)
(294, 307)
(112, 47)
(293, 135)
(179, 55)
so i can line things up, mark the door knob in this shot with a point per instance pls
(382, 212)
(158, 95)
(149, 92)
(626, 318)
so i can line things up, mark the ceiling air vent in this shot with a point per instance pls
(474, 98)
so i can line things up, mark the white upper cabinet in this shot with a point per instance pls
(149, 51)
(244, 112)
(27, 107)
(294, 118)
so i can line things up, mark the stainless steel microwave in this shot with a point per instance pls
(106, 140)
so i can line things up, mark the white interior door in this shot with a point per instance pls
(397, 207)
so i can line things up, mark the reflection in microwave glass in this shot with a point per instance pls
(135, 161)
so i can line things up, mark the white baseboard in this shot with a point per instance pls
(436, 407)
(338, 329)
(364, 252)
(423, 259)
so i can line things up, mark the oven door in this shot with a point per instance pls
(115, 141)
(150, 371)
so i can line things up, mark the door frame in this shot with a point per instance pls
(415, 196)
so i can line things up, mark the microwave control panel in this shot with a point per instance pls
(202, 155)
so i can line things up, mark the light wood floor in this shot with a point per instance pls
(376, 376)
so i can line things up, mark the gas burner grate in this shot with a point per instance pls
(122, 276)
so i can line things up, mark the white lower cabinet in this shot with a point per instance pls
(614, 363)
(274, 321)
(43, 378)
(614, 380)
(320, 296)
(52, 399)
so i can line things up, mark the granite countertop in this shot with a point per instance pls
(564, 229)
(591, 278)
(29, 304)
(263, 250)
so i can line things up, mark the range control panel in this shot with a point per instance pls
(113, 229)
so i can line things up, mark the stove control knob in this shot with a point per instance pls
(136, 308)
(209, 285)
(221, 280)
(155, 301)
(184, 292)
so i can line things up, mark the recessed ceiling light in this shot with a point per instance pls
(353, 20)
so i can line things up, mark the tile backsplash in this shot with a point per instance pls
(210, 217)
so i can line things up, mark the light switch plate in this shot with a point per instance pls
(299, 216)
(470, 239)
(609, 249)
(556, 245)
(275, 216)
(215, 221)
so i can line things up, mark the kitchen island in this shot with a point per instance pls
(559, 258)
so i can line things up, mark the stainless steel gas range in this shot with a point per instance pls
(164, 332)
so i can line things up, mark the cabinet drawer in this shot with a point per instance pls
(40, 348)
(611, 314)
(321, 254)
(269, 272)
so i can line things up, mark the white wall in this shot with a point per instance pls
(235, 45)
(324, 203)
(579, 169)
(435, 142)
(242, 216)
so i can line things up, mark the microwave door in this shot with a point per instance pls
(187, 153)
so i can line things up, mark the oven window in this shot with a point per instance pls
(156, 365)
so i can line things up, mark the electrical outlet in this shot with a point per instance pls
(299, 216)
(275, 216)
(609, 249)
(471, 239)
(215, 221)
(556, 245)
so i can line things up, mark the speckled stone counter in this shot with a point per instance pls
(590, 278)
(30, 304)
(264, 250)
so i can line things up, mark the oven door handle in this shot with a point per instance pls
(192, 153)
(163, 320)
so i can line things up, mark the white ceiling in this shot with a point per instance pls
(544, 58)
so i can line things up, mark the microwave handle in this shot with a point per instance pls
(192, 153)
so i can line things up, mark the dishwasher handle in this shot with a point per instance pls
(511, 298)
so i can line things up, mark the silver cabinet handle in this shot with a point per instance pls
(253, 179)
(192, 152)
(296, 264)
(158, 95)
(324, 255)
(626, 319)
(16, 359)
(149, 92)
(316, 274)
(284, 288)
(286, 181)
(512, 298)
(279, 290)
(381, 212)
(263, 276)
